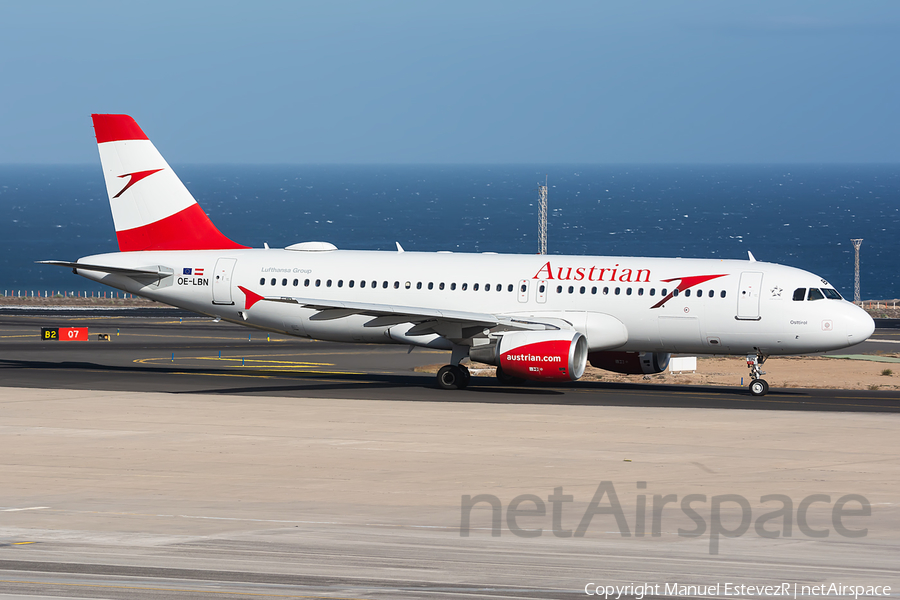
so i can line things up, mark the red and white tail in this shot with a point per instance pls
(151, 208)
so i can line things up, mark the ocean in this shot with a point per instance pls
(803, 216)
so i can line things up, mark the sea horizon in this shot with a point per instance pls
(803, 215)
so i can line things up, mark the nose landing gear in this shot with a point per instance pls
(758, 386)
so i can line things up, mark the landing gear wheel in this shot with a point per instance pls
(451, 377)
(508, 379)
(759, 387)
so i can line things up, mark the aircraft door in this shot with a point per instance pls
(541, 294)
(523, 290)
(748, 296)
(221, 284)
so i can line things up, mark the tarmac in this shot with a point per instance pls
(316, 470)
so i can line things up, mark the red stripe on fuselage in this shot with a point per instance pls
(250, 298)
(686, 282)
(115, 128)
(189, 229)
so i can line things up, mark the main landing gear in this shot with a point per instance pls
(455, 376)
(758, 387)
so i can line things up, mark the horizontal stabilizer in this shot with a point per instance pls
(148, 272)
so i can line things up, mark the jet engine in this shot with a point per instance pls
(559, 355)
(630, 363)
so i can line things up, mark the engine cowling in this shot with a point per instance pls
(630, 363)
(559, 355)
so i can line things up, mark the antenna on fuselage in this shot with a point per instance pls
(542, 217)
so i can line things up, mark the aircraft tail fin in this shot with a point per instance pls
(151, 207)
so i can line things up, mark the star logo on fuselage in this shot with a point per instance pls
(776, 292)
(135, 177)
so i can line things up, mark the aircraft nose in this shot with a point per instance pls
(860, 326)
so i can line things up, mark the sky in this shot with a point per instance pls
(460, 82)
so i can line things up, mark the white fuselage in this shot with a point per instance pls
(741, 307)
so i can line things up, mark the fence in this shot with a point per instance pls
(110, 295)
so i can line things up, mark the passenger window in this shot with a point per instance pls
(350, 283)
(441, 286)
(675, 292)
(328, 283)
(284, 282)
(628, 292)
(273, 281)
(340, 283)
(452, 287)
(396, 285)
(384, 285)
(523, 288)
(571, 289)
(831, 294)
(640, 291)
(362, 283)
(419, 285)
(652, 291)
(296, 282)
(542, 288)
(594, 290)
(509, 288)
(475, 287)
(499, 288)
(605, 291)
(618, 291)
(262, 281)
(306, 283)
(559, 289)
(712, 294)
(407, 285)
(464, 287)
(318, 282)
(815, 294)
(581, 291)
(722, 294)
(430, 285)
(687, 293)
(799, 294)
(662, 292)
(487, 287)
(374, 284)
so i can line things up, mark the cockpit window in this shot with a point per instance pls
(799, 294)
(831, 294)
(815, 294)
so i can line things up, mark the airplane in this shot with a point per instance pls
(535, 317)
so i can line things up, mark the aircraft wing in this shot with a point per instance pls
(452, 324)
(146, 272)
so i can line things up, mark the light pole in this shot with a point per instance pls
(856, 297)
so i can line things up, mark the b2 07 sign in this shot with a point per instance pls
(65, 334)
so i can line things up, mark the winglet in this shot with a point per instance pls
(750, 254)
(399, 247)
(251, 298)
